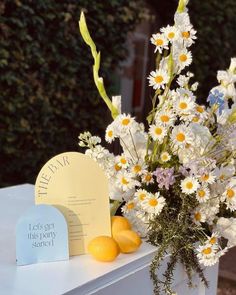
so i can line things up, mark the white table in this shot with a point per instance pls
(81, 275)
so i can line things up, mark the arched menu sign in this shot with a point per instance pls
(78, 187)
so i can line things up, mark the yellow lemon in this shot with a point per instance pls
(103, 248)
(119, 223)
(128, 241)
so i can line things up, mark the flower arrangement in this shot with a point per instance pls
(175, 179)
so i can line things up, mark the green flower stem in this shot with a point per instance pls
(96, 56)
(182, 5)
(114, 207)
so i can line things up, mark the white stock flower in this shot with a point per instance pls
(227, 229)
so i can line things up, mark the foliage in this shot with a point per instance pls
(45, 83)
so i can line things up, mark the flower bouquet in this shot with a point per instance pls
(175, 179)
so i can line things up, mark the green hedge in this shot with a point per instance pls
(47, 96)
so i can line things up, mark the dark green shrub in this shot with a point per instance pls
(47, 96)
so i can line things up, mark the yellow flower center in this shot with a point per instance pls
(198, 216)
(159, 42)
(137, 168)
(123, 161)
(124, 181)
(159, 79)
(117, 167)
(148, 177)
(142, 197)
(212, 240)
(230, 193)
(130, 206)
(189, 185)
(153, 202)
(222, 177)
(183, 105)
(110, 133)
(171, 35)
(185, 35)
(183, 57)
(207, 251)
(200, 109)
(165, 118)
(180, 137)
(201, 193)
(125, 121)
(158, 131)
(205, 177)
(164, 157)
(195, 119)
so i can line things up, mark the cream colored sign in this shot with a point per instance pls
(78, 187)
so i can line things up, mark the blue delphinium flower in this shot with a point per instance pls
(216, 98)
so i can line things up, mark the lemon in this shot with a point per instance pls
(119, 223)
(128, 241)
(103, 248)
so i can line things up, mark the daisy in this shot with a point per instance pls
(213, 239)
(140, 195)
(208, 178)
(198, 216)
(160, 41)
(125, 181)
(147, 178)
(138, 168)
(124, 123)
(110, 133)
(157, 132)
(171, 33)
(165, 157)
(207, 254)
(184, 105)
(181, 136)
(158, 79)
(203, 194)
(154, 203)
(123, 161)
(188, 35)
(128, 207)
(165, 118)
(230, 197)
(183, 58)
(189, 185)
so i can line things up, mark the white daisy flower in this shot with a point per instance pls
(158, 79)
(165, 118)
(160, 41)
(123, 161)
(125, 181)
(181, 136)
(203, 194)
(157, 132)
(153, 204)
(110, 133)
(198, 216)
(207, 254)
(184, 105)
(138, 168)
(165, 157)
(189, 185)
(230, 197)
(123, 124)
(188, 35)
(140, 195)
(128, 207)
(213, 239)
(147, 178)
(183, 58)
(171, 33)
(208, 178)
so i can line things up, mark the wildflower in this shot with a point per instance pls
(216, 98)
(153, 204)
(165, 177)
(171, 33)
(203, 194)
(189, 185)
(157, 132)
(158, 79)
(160, 41)
(165, 157)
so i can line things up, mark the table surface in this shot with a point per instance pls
(80, 272)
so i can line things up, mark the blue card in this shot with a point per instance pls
(41, 236)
